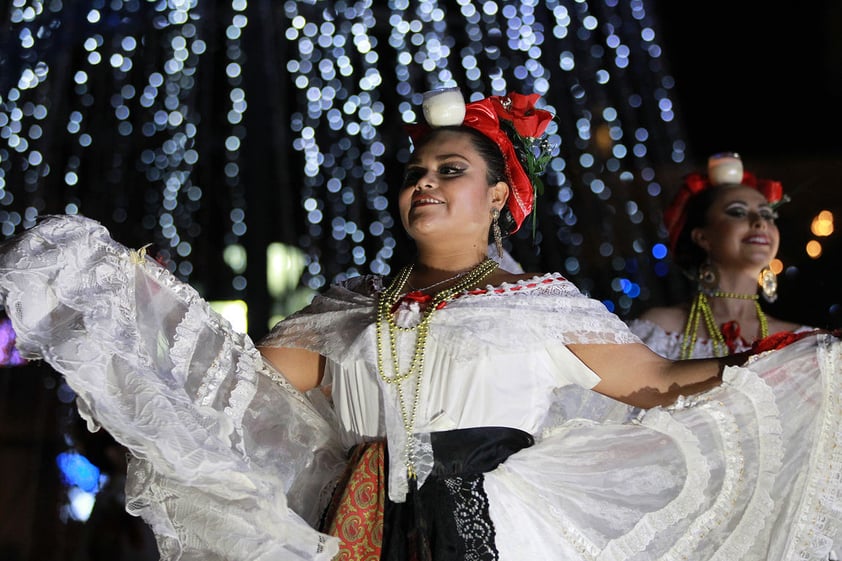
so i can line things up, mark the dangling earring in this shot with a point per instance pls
(495, 230)
(768, 282)
(708, 277)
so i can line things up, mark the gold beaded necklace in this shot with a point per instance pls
(700, 309)
(385, 303)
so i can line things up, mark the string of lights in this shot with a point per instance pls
(140, 115)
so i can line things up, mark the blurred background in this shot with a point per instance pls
(256, 145)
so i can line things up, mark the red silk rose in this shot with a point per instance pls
(521, 111)
(772, 190)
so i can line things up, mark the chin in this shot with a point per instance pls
(760, 261)
(424, 229)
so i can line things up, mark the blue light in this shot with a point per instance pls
(659, 251)
(78, 471)
(9, 355)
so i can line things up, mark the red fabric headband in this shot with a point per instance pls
(529, 123)
(676, 214)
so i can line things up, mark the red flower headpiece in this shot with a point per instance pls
(676, 214)
(491, 116)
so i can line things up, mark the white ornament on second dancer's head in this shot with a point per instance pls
(725, 168)
(444, 107)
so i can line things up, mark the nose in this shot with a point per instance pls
(425, 181)
(757, 220)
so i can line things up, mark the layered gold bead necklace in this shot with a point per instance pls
(385, 303)
(701, 310)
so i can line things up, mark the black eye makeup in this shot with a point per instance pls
(444, 170)
(451, 169)
(740, 210)
(768, 214)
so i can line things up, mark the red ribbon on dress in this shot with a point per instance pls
(731, 333)
(417, 296)
(414, 296)
(781, 340)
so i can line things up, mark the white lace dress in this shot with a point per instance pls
(232, 463)
(668, 343)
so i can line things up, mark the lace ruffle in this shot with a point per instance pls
(347, 311)
(818, 522)
(222, 452)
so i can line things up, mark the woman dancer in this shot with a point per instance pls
(722, 234)
(443, 414)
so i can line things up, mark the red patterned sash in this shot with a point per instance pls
(355, 514)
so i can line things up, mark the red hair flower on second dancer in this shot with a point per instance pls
(520, 110)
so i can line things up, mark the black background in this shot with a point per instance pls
(757, 77)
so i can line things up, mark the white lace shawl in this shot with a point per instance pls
(530, 313)
(668, 343)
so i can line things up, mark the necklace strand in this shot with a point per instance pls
(441, 282)
(701, 310)
(385, 302)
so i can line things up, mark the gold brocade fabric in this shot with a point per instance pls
(355, 514)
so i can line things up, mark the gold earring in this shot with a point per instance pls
(768, 282)
(708, 277)
(495, 230)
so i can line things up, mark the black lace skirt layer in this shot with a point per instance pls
(447, 518)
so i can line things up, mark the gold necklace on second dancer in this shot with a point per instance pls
(385, 303)
(701, 310)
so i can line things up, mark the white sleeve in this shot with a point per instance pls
(230, 462)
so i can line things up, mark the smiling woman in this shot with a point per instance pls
(723, 234)
(446, 178)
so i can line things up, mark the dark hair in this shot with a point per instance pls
(494, 162)
(688, 255)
